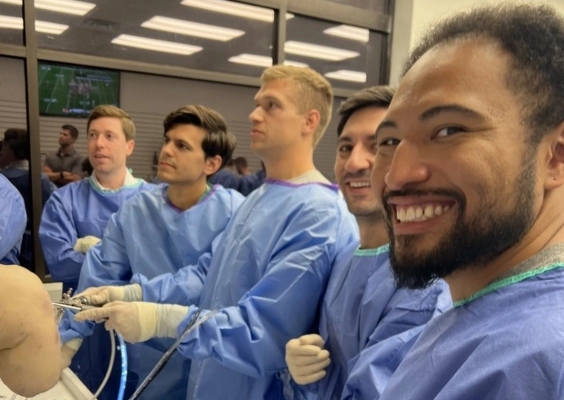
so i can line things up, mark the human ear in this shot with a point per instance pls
(213, 164)
(311, 122)
(555, 170)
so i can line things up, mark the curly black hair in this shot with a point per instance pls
(533, 37)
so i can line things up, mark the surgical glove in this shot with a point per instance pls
(138, 321)
(68, 350)
(306, 359)
(83, 244)
(98, 296)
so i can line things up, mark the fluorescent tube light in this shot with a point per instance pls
(252, 59)
(40, 26)
(295, 64)
(260, 61)
(156, 45)
(50, 27)
(317, 51)
(192, 28)
(233, 8)
(349, 32)
(63, 6)
(347, 75)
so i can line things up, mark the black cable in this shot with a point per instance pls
(164, 359)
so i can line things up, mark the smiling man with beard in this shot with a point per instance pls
(470, 168)
(362, 312)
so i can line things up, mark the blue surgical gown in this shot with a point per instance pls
(19, 177)
(266, 279)
(363, 308)
(506, 344)
(12, 222)
(150, 236)
(74, 211)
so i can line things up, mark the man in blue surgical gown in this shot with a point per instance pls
(166, 228)
(476, 128)
(268, 275)
(75, 216)
(362, 307)
(12, 222)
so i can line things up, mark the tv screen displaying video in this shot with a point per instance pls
(73, 91)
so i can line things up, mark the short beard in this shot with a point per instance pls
(468, 244)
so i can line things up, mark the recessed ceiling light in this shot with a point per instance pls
(40, 26)
(156, 45)
(317, 51)
(260, 61)
(252, 59)
(349, 32)
(233, 8)
(192, 28)
(63, 6)
(347, 75)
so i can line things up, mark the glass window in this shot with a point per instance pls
(350, 57)
(209, 35)
(11, 24)
(372, 5)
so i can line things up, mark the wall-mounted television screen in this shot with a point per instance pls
(73, 91)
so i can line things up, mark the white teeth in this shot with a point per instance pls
(359, 184)
(417, 214)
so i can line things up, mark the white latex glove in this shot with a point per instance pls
(68, 350)
(98, 296)
(138, 321)
(83, 244)
(306, 358)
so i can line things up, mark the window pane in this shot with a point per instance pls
(350, 57)
(11, 24)
(372, 5)
(185, 33)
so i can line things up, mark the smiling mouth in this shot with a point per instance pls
(419, 213)
(356, 185)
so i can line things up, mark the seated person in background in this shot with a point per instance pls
(64, 165)
(164, 229)
(13, 220)
(16, 153)
(362, 308)
(241, 166)
(75, 216)
(229, 178)
(30, 355)
(476, 128)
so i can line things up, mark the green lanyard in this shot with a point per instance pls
(507, 282)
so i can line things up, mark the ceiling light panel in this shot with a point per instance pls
(156, 45)
(260, 61)
(349, 32)
(74, 7)
(192, 28)
(252, 59)
(347, 75)
(236, 9)
(317, 51)
(40, 26)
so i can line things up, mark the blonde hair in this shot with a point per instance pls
(313, 91)
(107, 110)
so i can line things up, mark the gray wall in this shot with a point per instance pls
(148, 99)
